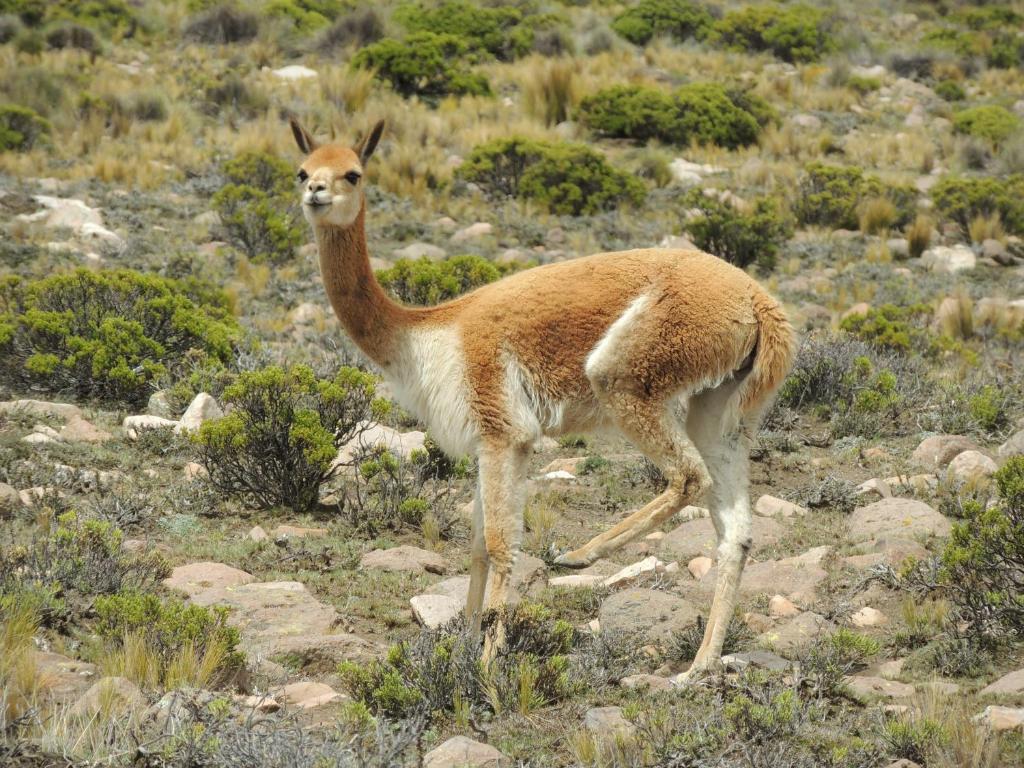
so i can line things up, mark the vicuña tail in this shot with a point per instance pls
(773, 356)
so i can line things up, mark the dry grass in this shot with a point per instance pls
(20, 681)
(955, 317)
(876, 216)
(919, 235)
(550, 89)
(984, 228)
(139, 661)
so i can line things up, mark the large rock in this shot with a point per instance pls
(405, 558)
(109, 697)
(1012, 447)
(135, 425)
(970, 466)
(649, 566)
(697, 537)
(1002, 718)
(900, 518)
(307, 695)
(770, 506)
(416, 251)
(949, 259)
(867, 687)
(1010, 684)
(40, 408)
(78, 430)
(196, 578)
(66, 679)
(400, 443)
(796, 580)
(652, 614)
(798, 632)
(63, 213)
(463, 752)
(937, 451)
(202, 408)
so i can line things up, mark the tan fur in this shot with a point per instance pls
(677, 350)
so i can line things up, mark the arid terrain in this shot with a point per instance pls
(223, 544)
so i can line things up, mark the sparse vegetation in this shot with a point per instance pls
(425, 64)
(741, 238)
(842, 197)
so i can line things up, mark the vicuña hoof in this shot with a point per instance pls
(573, 560)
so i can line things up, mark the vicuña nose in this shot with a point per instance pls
(317, 186)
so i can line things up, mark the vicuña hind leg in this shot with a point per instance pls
(657, 431)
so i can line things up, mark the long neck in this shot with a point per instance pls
(372, 319)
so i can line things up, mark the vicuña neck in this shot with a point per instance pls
(372, 319)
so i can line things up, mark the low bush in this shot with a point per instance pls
(425, 282)
(304, 16)
(58, 575)
(565, 178)
(835, 196)
(741, 238)
(109, 334)
(795, 33)
(223, 24)
(706, 113)
(962, 200)
(950, 90)
(107, 16)
(168, 643)
(425, 64)
(357, 28)
(280, 440)
(898, 328)
(678, 19)
(988, 121)
(73, 36)
(21, 128)
(257, 207)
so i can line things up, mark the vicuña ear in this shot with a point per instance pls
(367, 145)
(303, 137)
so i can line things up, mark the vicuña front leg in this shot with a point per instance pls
(477, 568)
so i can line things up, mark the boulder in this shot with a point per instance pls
(404, 558)
(159, 404)
(935, 452)
(109, 697)
(697, 537)
(901, 518)
(795, 633)
(196, 578)
(770, 506)
(949, 259)
(202, 408)
(257, 534)
(868, 687)
(373, 435)
(40, 408)
(133, 425)
(873, 488)
(63, 213)
(307, 695)
(654, 615)
(1010, 684)
(969, 467)
(473, 232)
(781, 608)
(1012, 447)
(1002, 718)
(78, 430)
(607, 722)
(795, 579)
(416, 251)
(868, 617)
(463, 752)
(66, 679)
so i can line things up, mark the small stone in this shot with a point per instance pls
(770, 506)
(650, 682)
(39, 438)
(868, 617)
(405, 558)
(970, 466)
(257, 534)
(866, 686)
(1002, 718)
(133, 425)
(699, 566)
(780, 607)
(417, 250)
(202, 408)
(759, 659)
(294, 72)
(576, 580)
(194, 470)
(1010, 684)
(631, 573)
(937, 451)
(873, 488)
(307, 695)
(109, 697)
(607, 722)
(473, 232)
(463, 752)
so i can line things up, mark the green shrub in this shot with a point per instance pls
(60, 574)
(304, 15)
(706, 113)
(565, 178)
(21, 128)
(503, 31)
(795, 33)
(426, 282)
(425, 63)
(109, 334)
(257, 207)
(989, 121)
(223, 24)
(982, 565)
(108, 16)
(278, 443)
(31, 12)
(679, 19)
(833, 196)
(962, 200)
(950, 90)
(739, 238)
(169, 627)
(889, 326)
(1006, 52)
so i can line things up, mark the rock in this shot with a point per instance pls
(159, 405)
(896, 517)
(400, 443)
(133, 425)
(993, 249)
(78, 430)
(737, 662)
(463, 752)
(570, 466)
(868, 617)
(297, 532)
(889, 550)
(432, 610)
(631, 573)
(202, 408)
(865, 686)
(699, 566)
(66, 679)
(1002, 718)
(101, 238)
(653, 615)
(757, 622)
(196, 578)
(1010, 684)
(970, 466)
(39, 438)
(780, 607)
(859, 309)
(109, 697)
(10, 499)
(677, 243)
(650, 682)
(59, 212)
(1012, 447)
(792, 578)
(808, 122)
(405, 558)
(770, 506)
(794, 633)
(949, 259)
(922, 484)
(417, 250)
(697, 537)
(607, 722)
(576, 580)
(898, 247)
(193, 470)
(473, 232)
(558, 476)
(873, 488)
(40, 408)
(257, 534)
(294, 72)
(307, 695)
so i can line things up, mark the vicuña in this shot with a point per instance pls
(676, 350)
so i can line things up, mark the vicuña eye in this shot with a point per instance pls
(353, 177)
(302, 175)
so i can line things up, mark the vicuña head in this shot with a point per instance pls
(332, 177)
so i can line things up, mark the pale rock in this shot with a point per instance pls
(594, 626)
(1010, 684)
(463, 752)
(949, 259)
(473, 232)
(297, 532)
(795, 578)
(797, 632)
(868, 687)
(970, 466)
(133, 425)
(903, 518)
(159, 405)
(807, 122)
(576, 580)
(1012, 447)
(307, 695)
(898, 247)
(570, 466)
(1000, 719)
(698, 537)
(32, 496)
(993, 249)
(770, 506)
(98, 236)
(446, 223)
(417, 250)
(78, 430)
(782, 608)
(873, 487)
(876, 71)
(890, 550)
(39, 438)
(193, 471)
(195, 578)
(257, 534)
(109, 696)
(631, 573)
(672, 568)
(10, 499)
(868, 617)
(40, 408)
(645, 681)
(203, 408)
(757, 622)
(294, 72)
(404, 558)
(66, 678)
(607, 722)
(699, 566)
(401, 444)
(59, 212)
(759, 659)
(557, 476)
(922, 484)
(263, 704)
(652, 615)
